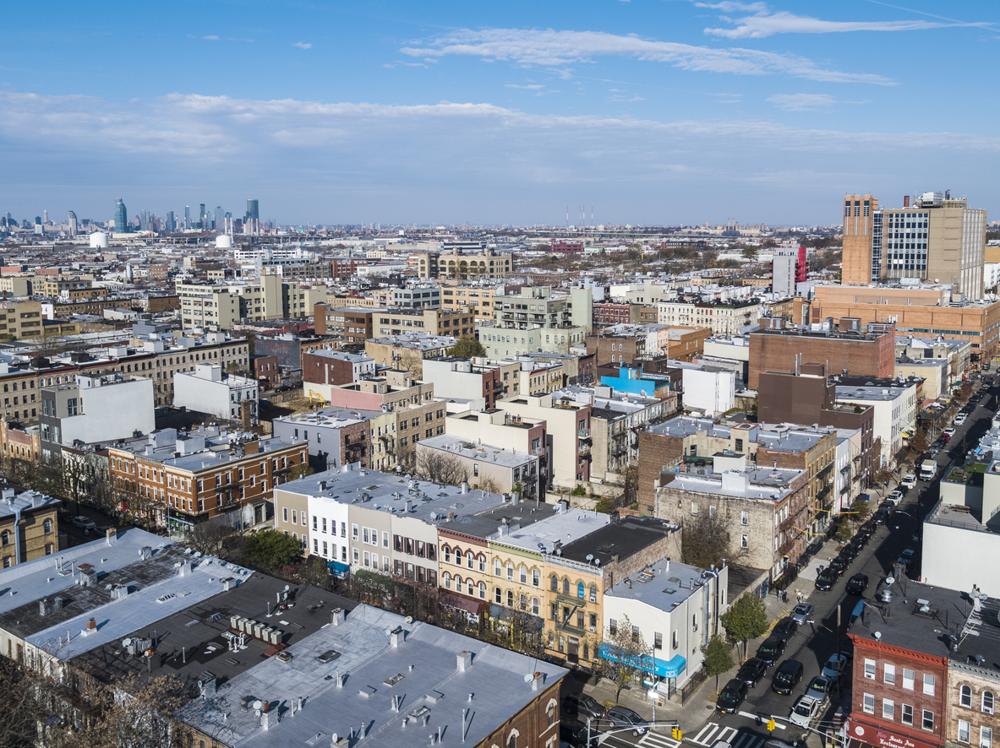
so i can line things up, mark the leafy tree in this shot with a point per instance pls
(746, 619)
(704, 540)
(271, 549)
(844, 532)
(718, 658)
(860, 509)
(629, 653)
(466, 347)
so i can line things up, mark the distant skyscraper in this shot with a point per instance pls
(220, 218)
(253, 209)
(72, 223)
(187, 216)
(202, 217)
(121, 217)
(171, 222)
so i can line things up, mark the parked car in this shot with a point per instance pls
(819, 688)
(834, 666)
(802, 613)
(622, 717)
(805, 711)
(857, 584)
(960, 418)
(895, 497)
(751, 671)
(787, 676)
(84, 523)
(948, 432)
(731, 696)
(826, 579)
(839, 564)
(583, 706)
(908, 554)
(785, 628)
(770, 650)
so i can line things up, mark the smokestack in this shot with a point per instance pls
(336, 616)
(906, 201)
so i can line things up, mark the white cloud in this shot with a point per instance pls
(525, 86)
(802, 102)
(211, 38)
(724, 97)
(730, 6)
(562, 49)
(763, 24)
(303, 45)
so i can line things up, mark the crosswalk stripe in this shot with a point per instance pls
(746, 740)
(703, 739)
(655, 740)
(727, 734)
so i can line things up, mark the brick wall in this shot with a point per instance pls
(655, 451)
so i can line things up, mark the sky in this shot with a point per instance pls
(515, 113)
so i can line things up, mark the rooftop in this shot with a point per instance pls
(351, 358)
(486, 524)
(772, 484)
(681, 426)
(200, 449)
(396, 494)
(619, 539)
(417, 341)
(557, 531)
(330, 417)
(402, 681)
(664, 584)
(791, 438)
(25, 502)
(480, 452)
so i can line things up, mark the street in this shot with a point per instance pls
(815, 641)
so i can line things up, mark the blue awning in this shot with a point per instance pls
(671, 668)
(338, 569)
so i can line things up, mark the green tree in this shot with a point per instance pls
(860, 509)
(718, 658)
(746, 619)
(271, 549)
(467, 346)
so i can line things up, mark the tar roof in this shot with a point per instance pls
(29, 581)
(485, 524)
(480, 452)
(197, 640)
(421, 670)
(395, 494)
(622, 539)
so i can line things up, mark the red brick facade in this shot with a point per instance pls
(861, 355)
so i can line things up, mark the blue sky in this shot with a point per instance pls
(648, 111)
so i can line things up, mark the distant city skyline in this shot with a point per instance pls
(634, 112)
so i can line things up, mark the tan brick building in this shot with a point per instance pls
(29, 527)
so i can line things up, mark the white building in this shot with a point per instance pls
(208, 389)
(706, 388)
(783, 271)
(895, 416)
(675, 608)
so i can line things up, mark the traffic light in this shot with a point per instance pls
(771, 725)
(677, 734)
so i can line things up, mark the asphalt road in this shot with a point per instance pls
(813, 643)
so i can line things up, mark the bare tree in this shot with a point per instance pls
(626, 655)
(704, 540)
(439, 467)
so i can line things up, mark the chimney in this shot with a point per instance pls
(463, 660)
(537, 680)
(397, 636)
(110, 536)
(341, 679)
(906, 201)
(43, 607)
(336, 616)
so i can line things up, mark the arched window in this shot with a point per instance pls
(469, 560)
(470, 587)
(522, 574)
(447, 580)
(458, 583)
(535, 606)
(447, 554)
(552, 712)
(581, 590)
(482, 590)
(554, 583)
(4, 538)
(965, 696)
(47, 526)
(482, 562)
(458, 556)
(988, 702)
(510, 571)
(536, 577)
(565, 586)
(512, 739)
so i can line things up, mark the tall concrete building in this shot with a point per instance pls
(121, 217)
(935, 237)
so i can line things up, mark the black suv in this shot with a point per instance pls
(826, 578)
(751, 671)
(785, 629)
(732, 696)
(787, 676)
(770, 650)
(857, 584)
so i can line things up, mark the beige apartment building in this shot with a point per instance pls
(453, 460)
(222, 307)
(463, 266)
(480, 300)
(721, 317)
(933, 237)
(20, 320)
(428, 321)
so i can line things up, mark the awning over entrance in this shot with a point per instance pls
(338, 569)
(671, 668)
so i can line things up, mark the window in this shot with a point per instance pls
(580, 590)
(964, 731)
(868, 703)
(522, 574)
(929, 681)
(47, 526)
(284, 516)
(888, 709)
(744, 541)
(510, 572)
(536, 577)
(497, 595)
(553, 580)
(889, 673)
(965, 696)
(906, 714)
(870, 669)
(985, 737)
(744, 518)
(988, 702)
(657, 640)
(908, 676)
(927, 719)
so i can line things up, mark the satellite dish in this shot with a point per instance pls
(890, 580)
(877, 635)
(258, 704)
(527, 677)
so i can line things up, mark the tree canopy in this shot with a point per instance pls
(467, 346)
(746, 619)
(718, 658)
(704, 540)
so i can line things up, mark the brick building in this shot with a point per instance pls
(846, 348)
(351, 324)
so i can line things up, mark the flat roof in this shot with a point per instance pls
(32, 580)
(485, 524)
(25, 502)
(853, 392)
(788, 438)
(480, 452)
(421, 670)
(621, 538)
(681, 426)
(664, 584)
(771, 484)
(562, 528)
(394, 494)
(330, 417)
